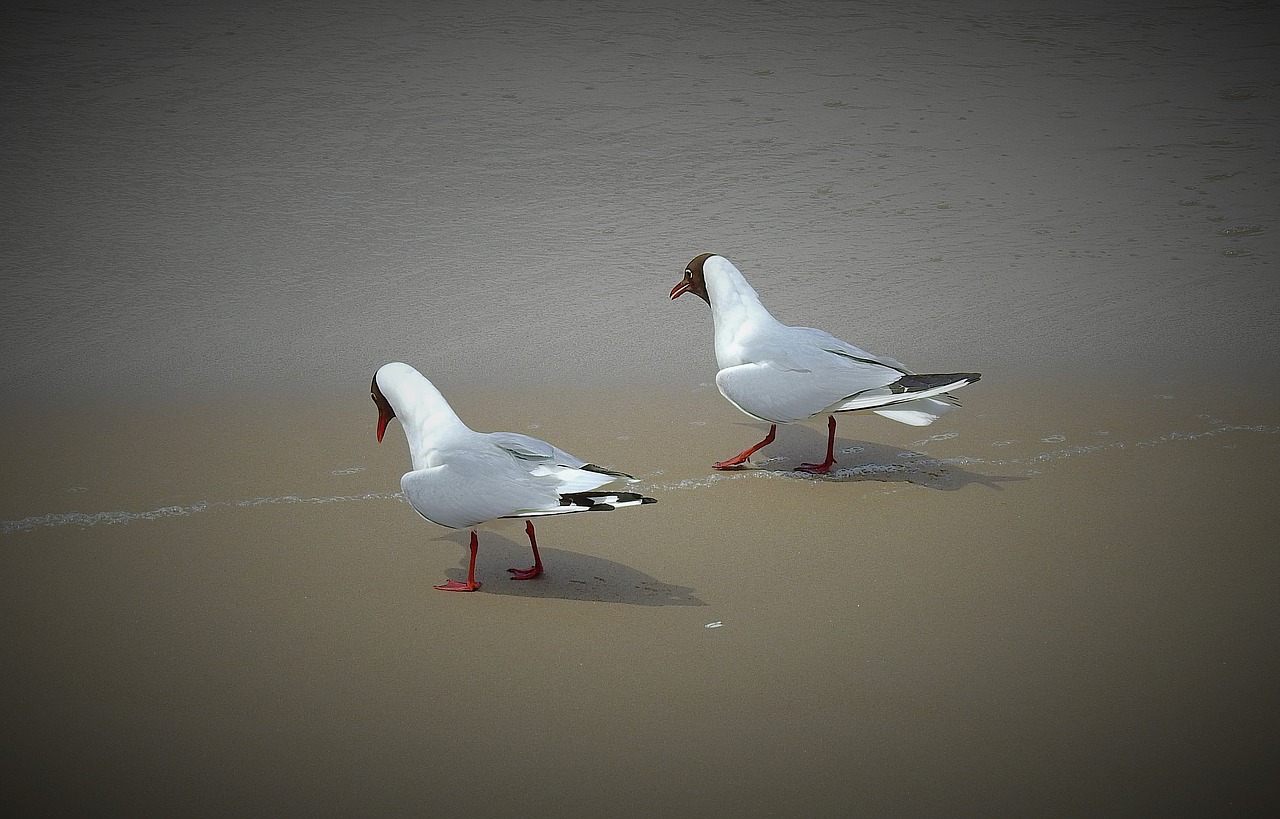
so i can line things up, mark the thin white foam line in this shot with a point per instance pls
(1209, 433)
(966, 460)
(86, 519)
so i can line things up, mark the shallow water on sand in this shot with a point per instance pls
(328, 460)
(283, 198)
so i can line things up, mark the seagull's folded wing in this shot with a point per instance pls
(471, 488)
(541, 458)
(784, 393)
(528, 448)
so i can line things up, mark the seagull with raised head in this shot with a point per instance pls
(783, 374)
(462, 478)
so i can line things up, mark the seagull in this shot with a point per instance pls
(783, 374)
(462, 478)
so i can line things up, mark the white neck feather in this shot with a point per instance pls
(426, 416)
(735, 308)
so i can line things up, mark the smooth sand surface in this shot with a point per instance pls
(1059, 600)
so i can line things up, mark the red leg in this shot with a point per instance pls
(471, 584)
(534, 570)
(822, 468)
(734, 463)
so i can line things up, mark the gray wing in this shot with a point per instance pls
(816, 339)
(535, 450)
(542, 458)
(468, 488)
(802, 371)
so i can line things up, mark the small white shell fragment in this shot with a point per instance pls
(716, 624)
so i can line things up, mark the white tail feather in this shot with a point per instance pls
(918, 413)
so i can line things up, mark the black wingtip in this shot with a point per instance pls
(919, 382)
(603, 471)
(632, 497)
(592, 502)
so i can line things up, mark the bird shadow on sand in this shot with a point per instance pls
(566, 575)
(868, 461)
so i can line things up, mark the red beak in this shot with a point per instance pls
(385, 412)
(681, 288)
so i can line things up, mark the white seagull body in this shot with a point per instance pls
(783, 374)
(462, 478)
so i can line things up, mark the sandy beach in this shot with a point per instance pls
(1018, 611)
(1059, 600)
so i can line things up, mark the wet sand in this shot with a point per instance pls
(1058, 600)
